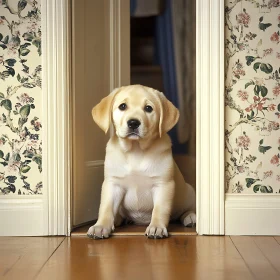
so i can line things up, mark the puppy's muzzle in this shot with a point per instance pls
(133, 124)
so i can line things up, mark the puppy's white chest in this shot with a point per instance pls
(136, 178)
(137, 205)
(134, 170)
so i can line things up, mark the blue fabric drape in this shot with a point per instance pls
(165, 57)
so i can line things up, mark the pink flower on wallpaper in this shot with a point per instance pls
(278, 17)
(23, 134)
(278, 55)
(1, 21)
(274, 160)
(13, 165)
(275, 37)
(238, 72)
(260, 106)
(273, 126)
(276, 90)
(12, 48)
(249, 109)
(271, 107)
(243, 141)
(25, 98)
(241, 47)
(267, 52)
(243, 95)
(240, 169)
(267, 174)
(37, 125)
(258, 103)
(243, 18)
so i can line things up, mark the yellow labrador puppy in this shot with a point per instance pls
(142, 182)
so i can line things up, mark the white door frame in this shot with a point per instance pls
(57, 110)
(210, 116)
(56, 65)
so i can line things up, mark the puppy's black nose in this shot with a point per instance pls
(133, 123)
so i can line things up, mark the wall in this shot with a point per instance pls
(20, 98)
(252, 96)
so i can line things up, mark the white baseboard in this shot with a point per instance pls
(252, 214)
(21, 216)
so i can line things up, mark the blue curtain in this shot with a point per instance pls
(165, 57)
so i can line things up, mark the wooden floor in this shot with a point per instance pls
(135, 257)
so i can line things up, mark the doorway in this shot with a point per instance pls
(160, 57)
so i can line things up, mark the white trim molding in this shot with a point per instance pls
(119, 43)
(56, 115)
(252, 214)
(22, 216)
(210, 116)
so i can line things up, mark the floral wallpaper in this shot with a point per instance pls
(252, 136)
(20, 97)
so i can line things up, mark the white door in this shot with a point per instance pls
(93, 53)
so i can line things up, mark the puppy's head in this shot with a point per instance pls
(137, 112)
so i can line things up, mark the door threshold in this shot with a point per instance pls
(174, 229)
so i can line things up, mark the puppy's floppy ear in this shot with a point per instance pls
(169, 114)
(101, 113)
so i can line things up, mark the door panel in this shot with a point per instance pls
(91, 82)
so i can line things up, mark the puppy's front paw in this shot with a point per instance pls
(156, 231)
(99, 232)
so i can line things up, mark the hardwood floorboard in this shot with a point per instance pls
(257, 257)
(133, 257)
(271, 250)
(277, 238)
(23, 257)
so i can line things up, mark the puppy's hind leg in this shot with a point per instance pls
(188, 219)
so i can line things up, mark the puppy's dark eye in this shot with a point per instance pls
(122, 107)
(148, 109)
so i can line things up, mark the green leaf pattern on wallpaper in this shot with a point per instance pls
(20, 97)
(252, 96)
